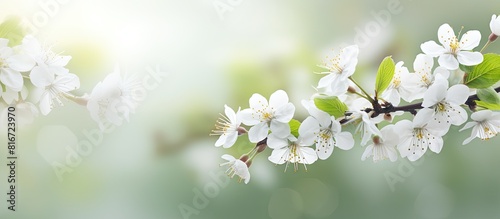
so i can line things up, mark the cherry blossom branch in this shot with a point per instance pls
(412, 108)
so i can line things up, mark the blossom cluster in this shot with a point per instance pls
(35, 79)
(434, 99)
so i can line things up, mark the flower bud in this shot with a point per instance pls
(492, 37)
(351, 89)
(248, 163)
(244, 158)
(261, 148)
(241, 130)
(388, 117)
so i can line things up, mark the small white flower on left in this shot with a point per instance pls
(236, 167)
(228, 127)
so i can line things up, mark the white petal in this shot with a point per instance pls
(257, 102)
(247, 117)
(61, 61)
(279, 156)
(230, 114)
(281, 130)
(472, 136)
(469, 125)
(285, 113)
(469, 58)
(432, 49)
(324, 147)
(22, 63)
(322, 117)
(457, 94)
(12, 79)
(45, 104)
(308, 154)
(440, 122)
(448, 61)
(221, 140)
(368, 152)
(327, 80)
(435, 94)
(275, 142)
(457, 114)
(9, 96)
(339, 87)
(41, 77)
(258, 132)
(67, 82)
(393, 155)
(481, 115)
(441, 71)
(228, 157)
(230, 139)
(278, 99)
(495, 25)
(308, 130)
(435, 144)
(470, 40)
(423, 116)
(344, 141)
(445, 35)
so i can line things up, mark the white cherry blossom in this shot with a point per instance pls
(295, 152)
(384, 146)
(52, 87)
(453, 51)
(423, 77)
(399, 86)
(11, 66)
(227, 127)
(236, 167)
(486, 125)
(44, 56)
(114, 99)
(340, 67)
(417, 136)
(443, 104)
(266, 116)
(324, 131)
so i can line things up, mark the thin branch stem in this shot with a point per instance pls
(362, 90)
(485, 46)
(388, 108)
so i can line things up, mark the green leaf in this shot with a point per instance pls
(384, 75)
(294, 127)
(12, 30)
(331, 105)
(488, 95)
(466, 69)
(485, 74)
(490, 106)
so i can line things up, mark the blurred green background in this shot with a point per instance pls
(157, 162)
